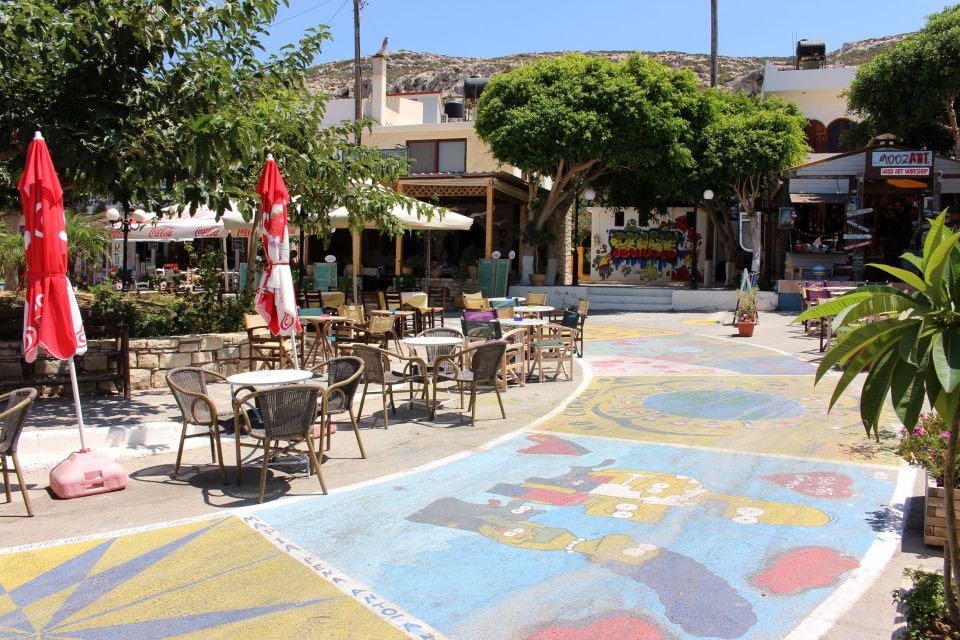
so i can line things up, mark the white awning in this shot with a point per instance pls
(185, 228)
(441, 219)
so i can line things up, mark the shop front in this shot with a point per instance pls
(865, 206)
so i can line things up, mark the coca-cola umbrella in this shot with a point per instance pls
(276, 298)
(51, 317)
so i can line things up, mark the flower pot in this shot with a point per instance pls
(538, 279)
(745, 329)
(935, 513)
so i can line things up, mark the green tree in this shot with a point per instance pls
(744, 145)
(13, 259)
(576, 120)
(913, 89)
(88, 241)
(909, 344)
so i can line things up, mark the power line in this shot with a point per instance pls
(297, 15)
(337, 12)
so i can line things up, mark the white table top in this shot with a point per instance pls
(270, 377)
(518, 299)
(525, 322)
(534, 308)
(432, 341)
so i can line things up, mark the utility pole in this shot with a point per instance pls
(357, 80)
(713, 43)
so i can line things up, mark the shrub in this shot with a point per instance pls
(925, 607)
(926, 446)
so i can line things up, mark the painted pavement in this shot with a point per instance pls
(695, 489)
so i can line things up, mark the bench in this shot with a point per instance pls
(107, 358)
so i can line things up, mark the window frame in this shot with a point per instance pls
(436, 153)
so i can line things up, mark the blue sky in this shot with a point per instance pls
(501, 27)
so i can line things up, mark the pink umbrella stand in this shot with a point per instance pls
(51, 318)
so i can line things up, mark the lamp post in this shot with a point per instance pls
(588, 194)
(707, 195)
(124, 224)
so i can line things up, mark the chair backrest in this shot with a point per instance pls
(504, 312)
(353, 312)
(437, 296)
(287, 411)
(582, 307)
(488, 330)
(392, 300)
(254, 321)
(503, 304)
(434, 352)
(312, 312)
(370, 300)
(818, 294)
(441, 332)
(341, 369)
(571, 320)
(480, 316)
(476, 304)
(312, 299)
(13, 417)
(485, 363)
(373, 370)
(380, 325)
(186, 383)
(536, 298)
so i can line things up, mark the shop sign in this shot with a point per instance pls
(895, 163)
(858, 245)
(857, 236)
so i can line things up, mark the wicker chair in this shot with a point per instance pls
(265, 348)
(485, 364)
(381, 330)
(287, 415)
(376, 370)
(370, 300)
(436, 305)
(189, 388)
(342, 378)
(434, 352)
(12, 420)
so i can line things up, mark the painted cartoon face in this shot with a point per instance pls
(527, 535)
(746, 511)
(647, 487)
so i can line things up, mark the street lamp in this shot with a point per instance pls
(707, 195)
(124, 224)
(588, 194)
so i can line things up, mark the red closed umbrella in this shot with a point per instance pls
(51, 317)
(276, 298)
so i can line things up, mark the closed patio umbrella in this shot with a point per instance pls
(276, 299)
(51, 317)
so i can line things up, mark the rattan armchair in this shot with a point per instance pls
(189, 388)
(12, 419)
(376, 370)
(485, 364)
(286, 415)
(554, 343)
(342, 377)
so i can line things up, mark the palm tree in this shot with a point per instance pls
(13, 260)
(88, 242)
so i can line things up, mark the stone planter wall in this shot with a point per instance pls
(935, 514)
(151, 358)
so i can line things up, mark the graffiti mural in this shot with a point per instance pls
(628, 252)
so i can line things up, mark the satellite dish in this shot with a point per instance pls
(495, 255)
(512, 255)
(330, 259)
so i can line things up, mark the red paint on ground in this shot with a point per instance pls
(615, 628)
(817, 484)
(804, 568)
(558, 498)
(551, 445)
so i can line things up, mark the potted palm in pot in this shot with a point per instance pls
(747, 311)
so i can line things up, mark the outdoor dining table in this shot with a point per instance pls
(533, 309)
(318, 323)
(415, 299)
(532, 329)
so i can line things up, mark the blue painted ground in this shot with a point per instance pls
(504, 544)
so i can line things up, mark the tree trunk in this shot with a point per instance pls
(252, 250)
(951, 551)
(756, 234)
(721, 223)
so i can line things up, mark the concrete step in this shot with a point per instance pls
(630, 306)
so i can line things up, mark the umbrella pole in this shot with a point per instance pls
(226, 270)
(293, 350)
(76, 401)
(356, 266)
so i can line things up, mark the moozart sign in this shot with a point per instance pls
(894, 163)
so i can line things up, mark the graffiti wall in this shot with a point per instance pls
(623, 251)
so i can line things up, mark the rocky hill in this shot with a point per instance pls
(421, 71)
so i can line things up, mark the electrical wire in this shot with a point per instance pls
(297, 15)
(337, 12)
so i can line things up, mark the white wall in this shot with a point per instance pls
(816, 91)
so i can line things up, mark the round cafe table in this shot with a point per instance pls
(269, 377)
(523, 322)
(533, 309)
(432, 341)
(507, 299)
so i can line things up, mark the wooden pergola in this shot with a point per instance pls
(481, 187)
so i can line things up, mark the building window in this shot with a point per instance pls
(618, 218)
(437, 156)
(835, 132)
(816, 136)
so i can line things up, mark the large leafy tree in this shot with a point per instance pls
(909, 344)
(578, 120)
(913, 89)
(156, 102)
(743, 145)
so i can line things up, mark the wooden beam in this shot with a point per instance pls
(488, 242)
(399, 257)
(523, 223)
(356, 267)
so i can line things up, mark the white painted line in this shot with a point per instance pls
(112, 534)
(822, 619)
(387, 611)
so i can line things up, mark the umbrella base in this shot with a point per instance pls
(86, 473)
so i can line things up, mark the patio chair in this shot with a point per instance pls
(287, 415)
(485, 365)
(554, 344)
(340, 333)
(376, 370)
(342, 378)
(265, 348)
(504, 313)
(353, 312)
(12, 419)
(515, 357)
(380, 330)
(481, 330)
(575, 320)
(436, 305)
(189, 388)
(475, 302)
(312, 300)
(406, 317)
(434, 352)
(536, 299)
(370, 300)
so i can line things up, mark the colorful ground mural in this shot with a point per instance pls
(695, 489)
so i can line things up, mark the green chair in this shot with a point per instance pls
(477, 330)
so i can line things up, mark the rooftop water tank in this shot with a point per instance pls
(453, 110)
(473, 87)
(811, 54)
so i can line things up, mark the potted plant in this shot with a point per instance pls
(747, 310)
(926, 446)
(540, 238)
